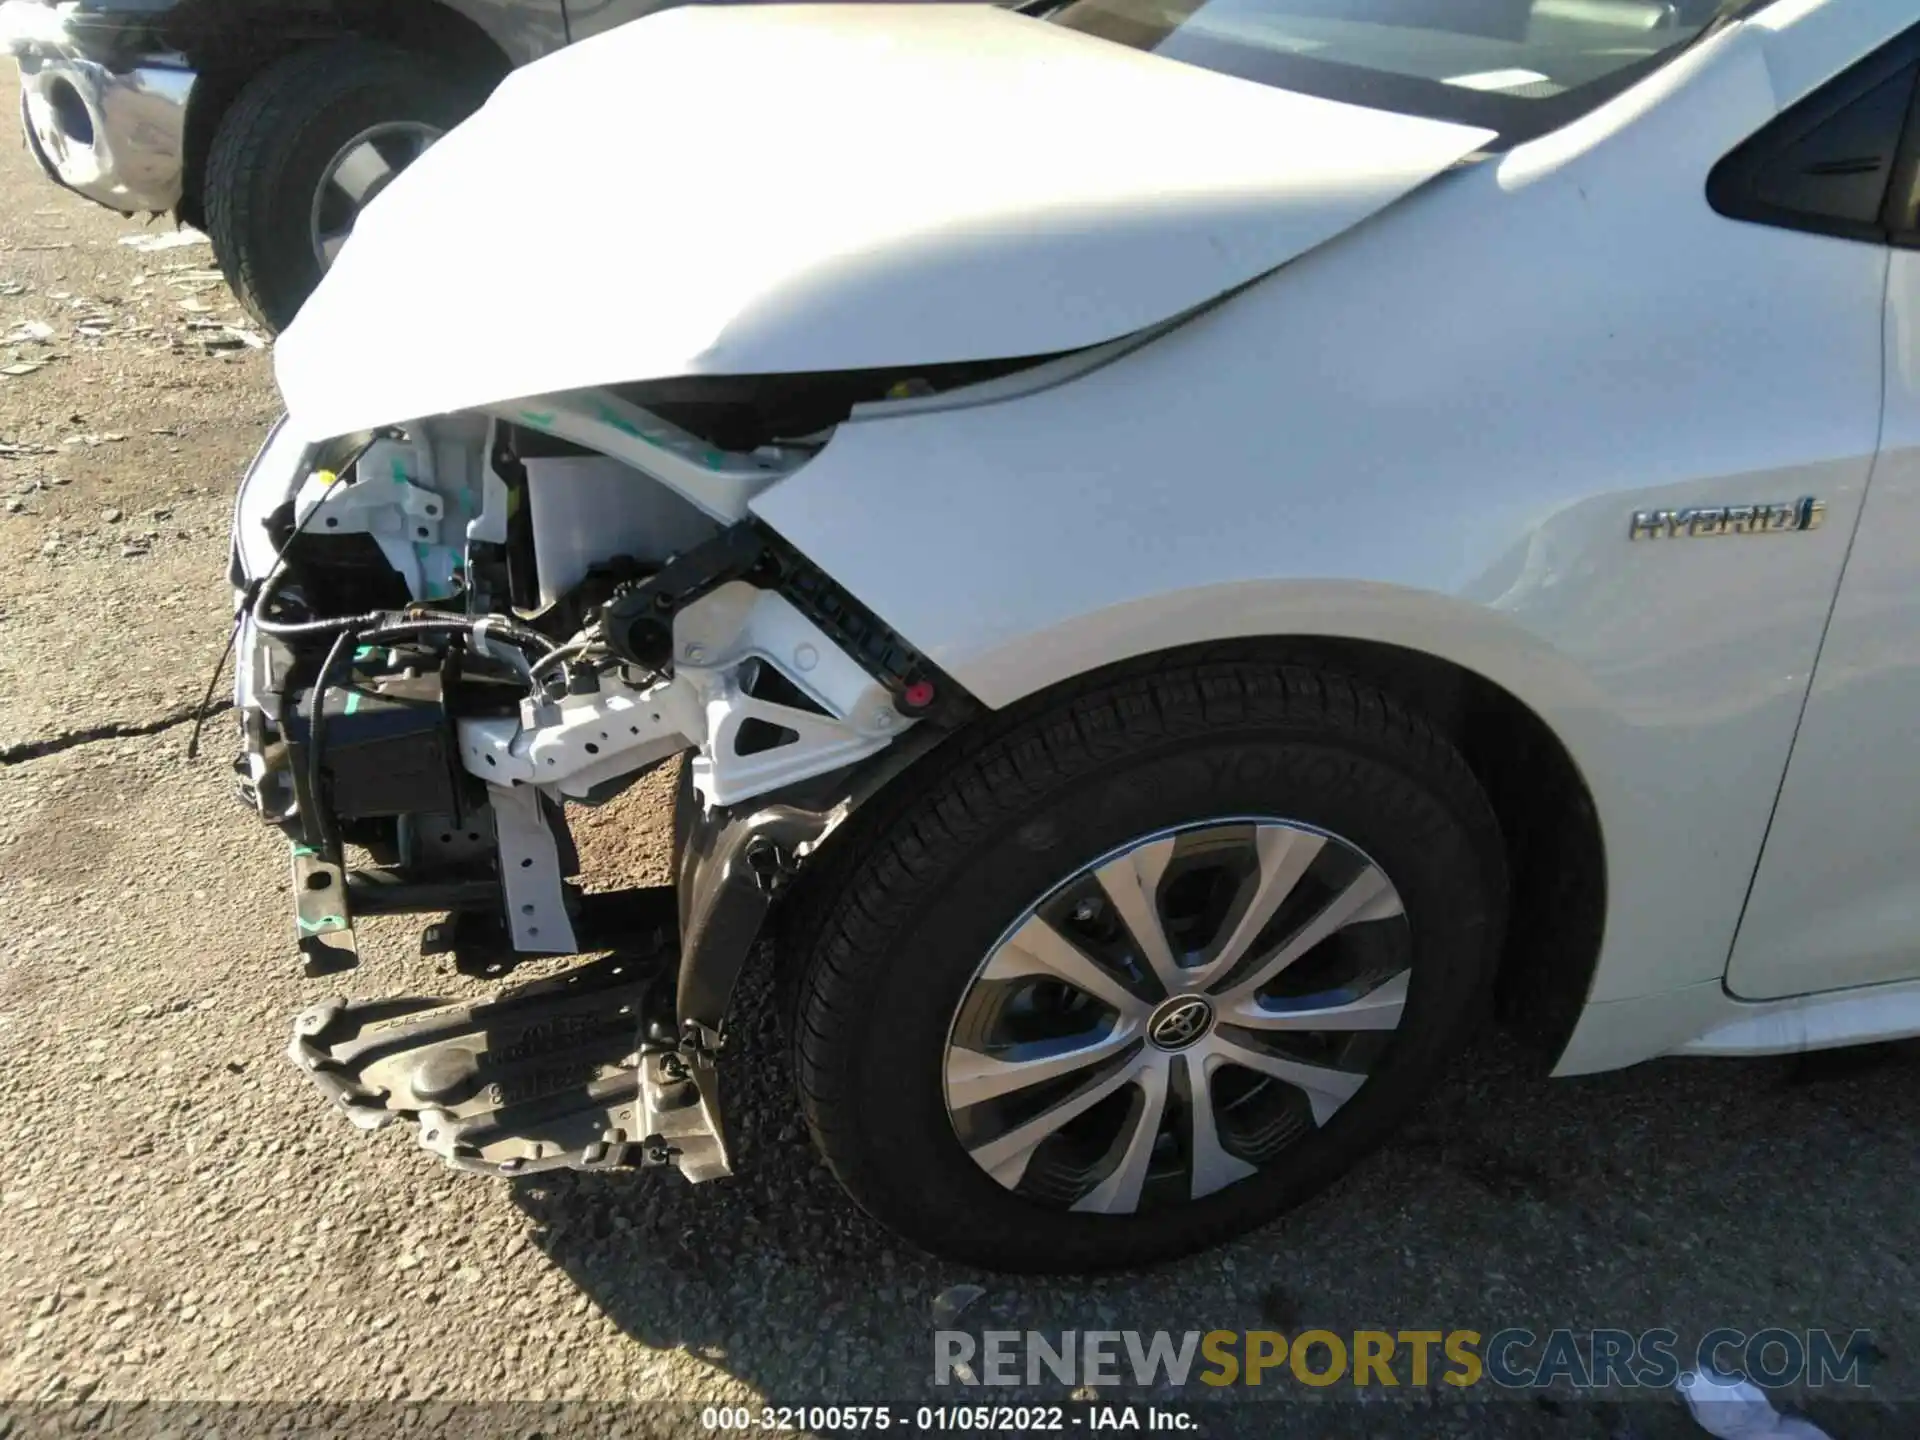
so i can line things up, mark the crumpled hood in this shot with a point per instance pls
(762, 189)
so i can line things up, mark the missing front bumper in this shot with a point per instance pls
(610, 1064)
(577, 1072)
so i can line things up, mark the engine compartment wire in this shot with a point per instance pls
(323, 828)
(252, 603)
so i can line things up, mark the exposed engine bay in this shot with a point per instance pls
(450, 630)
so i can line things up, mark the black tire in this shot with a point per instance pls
(924, 891)
(272, 149)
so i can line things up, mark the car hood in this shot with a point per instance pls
(734, 190)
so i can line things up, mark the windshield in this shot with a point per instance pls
(1521, 67)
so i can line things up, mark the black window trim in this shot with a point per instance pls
(1731, 184)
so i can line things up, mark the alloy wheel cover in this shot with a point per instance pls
(1170, 1018)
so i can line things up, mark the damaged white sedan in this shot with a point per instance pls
(1174, 541)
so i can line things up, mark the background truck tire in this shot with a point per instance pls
(274, 148)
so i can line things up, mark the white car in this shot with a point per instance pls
(1188, 548)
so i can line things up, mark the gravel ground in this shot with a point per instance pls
(180, 1217)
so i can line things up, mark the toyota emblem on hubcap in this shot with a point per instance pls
(1180, 1022)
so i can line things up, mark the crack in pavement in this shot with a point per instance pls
(118, 730)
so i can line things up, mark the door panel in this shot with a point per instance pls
(1836, 900)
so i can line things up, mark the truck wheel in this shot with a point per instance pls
(1141, 968)
(307, 145)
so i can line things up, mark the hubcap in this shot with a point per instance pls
(360, 170)
(1171, 1018)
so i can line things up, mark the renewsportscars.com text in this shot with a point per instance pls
(1510, 1359)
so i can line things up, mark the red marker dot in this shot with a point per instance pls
(919, 694)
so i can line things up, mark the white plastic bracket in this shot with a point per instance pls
(405, 518)
(530, 871)
(720, 482)
(578, 742)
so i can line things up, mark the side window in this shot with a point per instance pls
(1844, 161)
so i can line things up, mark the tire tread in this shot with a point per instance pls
(882, 875)
(266, 125)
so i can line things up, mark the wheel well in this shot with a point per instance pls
(228, 42)
(1555, 856)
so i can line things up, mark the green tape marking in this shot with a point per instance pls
(612, 417)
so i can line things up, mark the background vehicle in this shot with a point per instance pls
(1178, 621)
(268, 125)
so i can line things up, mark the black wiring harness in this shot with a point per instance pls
(491, 637)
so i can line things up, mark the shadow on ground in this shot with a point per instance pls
(1681, 1194)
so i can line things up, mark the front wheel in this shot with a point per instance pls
(307, 146)
(1143, 970)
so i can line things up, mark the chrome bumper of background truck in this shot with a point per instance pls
(113, 135)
